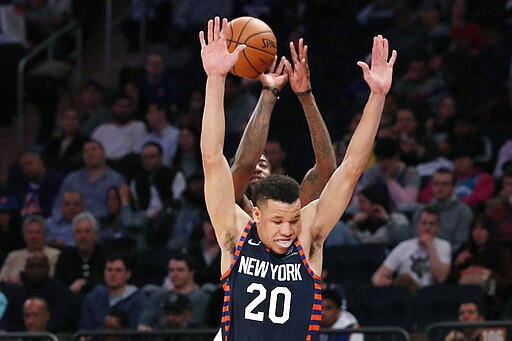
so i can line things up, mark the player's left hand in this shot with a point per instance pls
(217, 61)
(275, 77)
(380, 75)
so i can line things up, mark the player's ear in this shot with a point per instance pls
(256, 214)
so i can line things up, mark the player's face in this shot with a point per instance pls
(261, 171)
(278, 224)
(468, 312)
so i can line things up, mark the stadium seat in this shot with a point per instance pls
(438, 303)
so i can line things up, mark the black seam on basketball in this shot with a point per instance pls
(253, 47)
(250, 64)
(242, 30)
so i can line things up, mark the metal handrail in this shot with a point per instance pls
(74, 27)
(430, 332)
(28, 336)
(110, 24)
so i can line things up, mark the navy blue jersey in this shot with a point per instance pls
(270, 296)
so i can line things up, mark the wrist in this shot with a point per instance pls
(274, 91)
(304, 93)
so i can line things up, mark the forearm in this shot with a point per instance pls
(439, 269)
(213, 125)
(253, 142)
(325, 160)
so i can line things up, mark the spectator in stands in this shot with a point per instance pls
(156, 82)
(417, 262)
(63, 152)
(473, 186)
(34, 234)
(499, 208)
(36, 315)
(156, 185)
(483, 261)
(60, 232)
(205, 249)
(190, 207)
(334, 316)
(468, 312)
(139, 103)
(116, 320)
(162, 132)
(401, 181)
(239, 104)
(415, 147)
(469, 35)
(11, 236)
(36, 282)
(35, 187)
(375, 221)
(120, 137)
(188, 155)
(93, 111)
(81, 266)
(418, 87)
(178, 313)
(180, 281)
(454, 216)
(93, 180)
(441, 124)
(115, 293)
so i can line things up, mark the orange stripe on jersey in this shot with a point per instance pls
(314, 327)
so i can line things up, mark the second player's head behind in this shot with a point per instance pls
(277, 211)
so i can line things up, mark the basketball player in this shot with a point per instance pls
(250, 165)
(272, 261)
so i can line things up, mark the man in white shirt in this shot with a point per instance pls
(420, 261)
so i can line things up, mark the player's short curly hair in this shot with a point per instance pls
(276, 187)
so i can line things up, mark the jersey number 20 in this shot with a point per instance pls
(250, 314)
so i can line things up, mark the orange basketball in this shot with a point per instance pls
(261, 46)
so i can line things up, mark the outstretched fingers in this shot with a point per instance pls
(210, 31)
(280, 67)
(293, 53)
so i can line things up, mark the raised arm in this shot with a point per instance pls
(325, 161)
(337, 192)
(219, 194)
(255, 134)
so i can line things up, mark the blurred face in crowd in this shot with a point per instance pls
(34, 236)
(330, 312)
(37, 267)
(155, 65)
(155, 116)
(442, 186)
(405, 121)
(446, 108)
(208, 231)
(275, 154)
(116, 274)
(122, 110)
(179, 273)
(71, 205)
(32, 166)
(468, 312)
(176, 320)
(84, 235)
(94, 155)
(70, 122)
(151, 157)
(187, 139)
(479, 233)
(462, 164)
(91, 97)
(113, 201)
(428, 224)
(35, 315)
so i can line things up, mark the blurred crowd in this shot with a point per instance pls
(103, 221)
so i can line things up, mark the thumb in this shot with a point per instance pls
(238, 49)
(364, 67)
